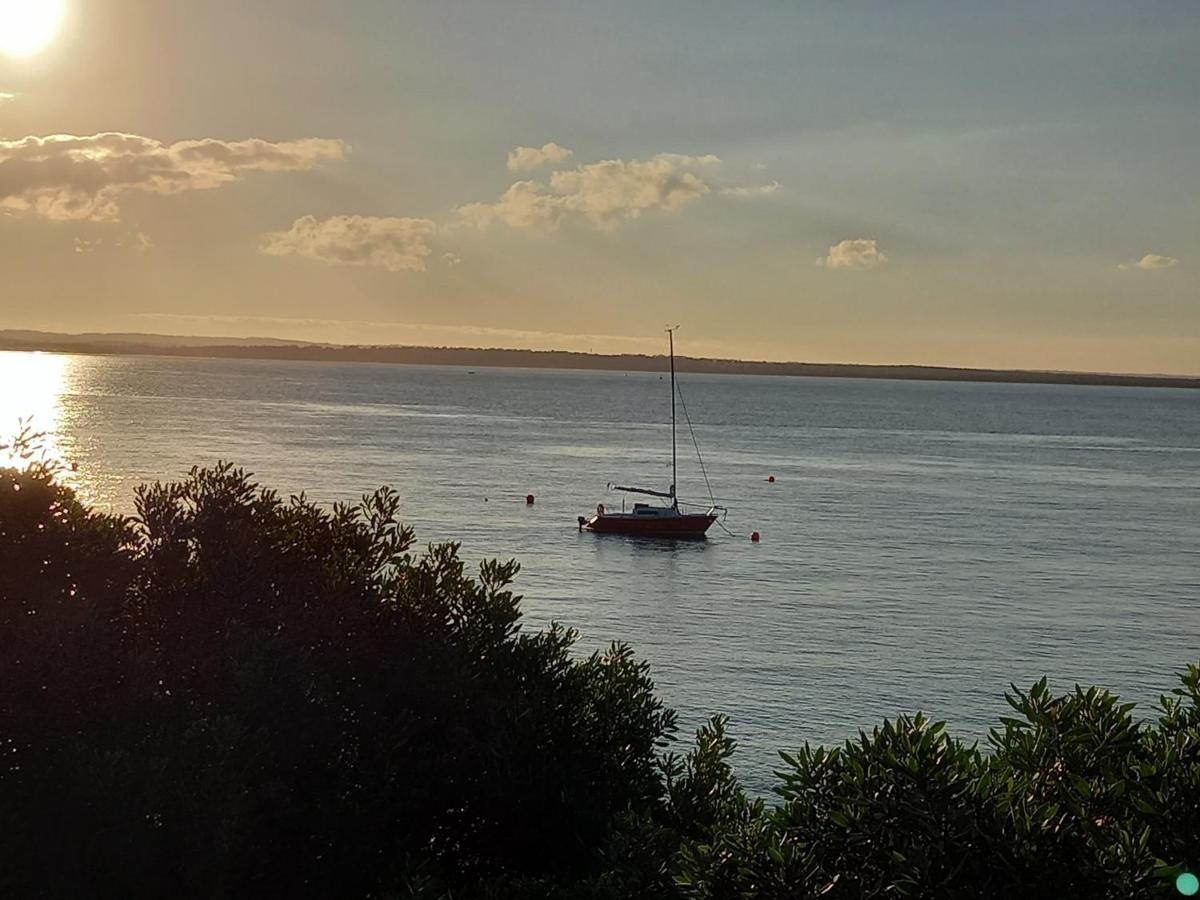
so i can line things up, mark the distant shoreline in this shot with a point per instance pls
(272, 349)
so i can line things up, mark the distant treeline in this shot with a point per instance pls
(553, 359)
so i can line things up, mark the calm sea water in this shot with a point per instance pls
(923, 545)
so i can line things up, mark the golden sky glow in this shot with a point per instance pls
(955, 184)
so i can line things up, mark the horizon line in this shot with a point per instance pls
(273, 344)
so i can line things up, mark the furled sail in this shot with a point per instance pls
(669, 495)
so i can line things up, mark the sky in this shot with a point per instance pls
(951, 183)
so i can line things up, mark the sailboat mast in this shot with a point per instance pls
(674, 454)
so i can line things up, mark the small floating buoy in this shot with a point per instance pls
(74, 467)
(771, 479)
(754, 537)
(529, 499)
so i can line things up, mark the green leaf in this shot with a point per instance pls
(1081, 786)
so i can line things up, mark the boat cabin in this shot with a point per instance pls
(647, 509)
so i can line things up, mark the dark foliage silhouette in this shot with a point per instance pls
(237, 694)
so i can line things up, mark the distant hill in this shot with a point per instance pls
(35, 339)
(274, 348)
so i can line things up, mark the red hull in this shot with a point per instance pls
(686, 525)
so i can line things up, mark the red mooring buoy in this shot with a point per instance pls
(754, 537)
(529, 499)
(771, 479)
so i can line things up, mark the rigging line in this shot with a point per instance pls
(695, 443)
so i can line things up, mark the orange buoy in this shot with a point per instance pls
(754, 537)
(771, 479)
(529, 499)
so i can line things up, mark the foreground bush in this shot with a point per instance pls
(236, 694)
(232, 694)
(1075, 799)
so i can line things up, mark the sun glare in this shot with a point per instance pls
(31, 389)
(26, 26)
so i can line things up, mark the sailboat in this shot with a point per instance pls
(656, 519)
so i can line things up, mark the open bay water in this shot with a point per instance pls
(924, 543)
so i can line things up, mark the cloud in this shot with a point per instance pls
(601, 193)
(64, 177)
(6, 97)
(524, 205)
(1149, 262)
(398, 245)
(752, 190)
(138, 241)
(525, 159)
(858, 253)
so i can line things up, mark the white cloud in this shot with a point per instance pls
(601, 193)
(752, 190)
(856, 253)
(63, 177)
(1149, 262)
(525, 159)
(140, 241)
(398, 245)
(6, 97)
(137, 241)
(524, 205)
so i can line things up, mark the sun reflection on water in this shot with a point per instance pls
(32, 386)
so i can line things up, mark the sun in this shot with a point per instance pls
(26, 26)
